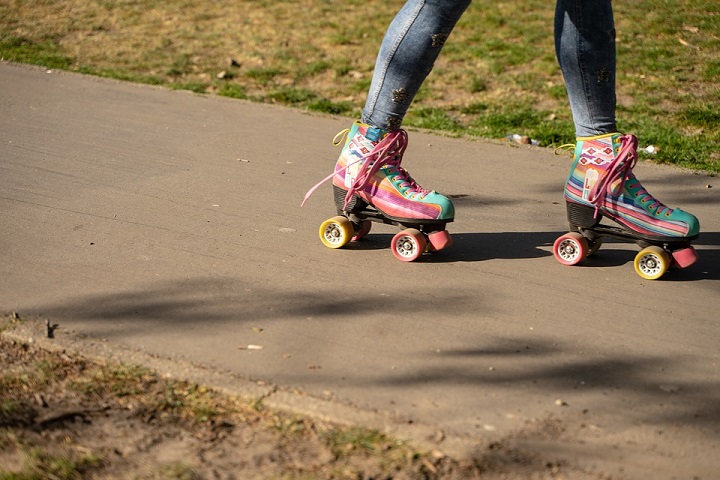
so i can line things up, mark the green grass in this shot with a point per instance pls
(496, 76)
(44, 52)
(342, 441)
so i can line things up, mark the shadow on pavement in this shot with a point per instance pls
(645, 389)
(205, 300)
(478, 247)
(475, 247)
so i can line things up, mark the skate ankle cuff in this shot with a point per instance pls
(597, 137)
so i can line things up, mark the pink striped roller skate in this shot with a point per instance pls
(370, 185)
(601, 184)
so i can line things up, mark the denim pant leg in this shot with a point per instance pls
(407, 55)
(585, 47)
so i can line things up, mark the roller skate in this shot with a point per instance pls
(370, 185)
(601, 185)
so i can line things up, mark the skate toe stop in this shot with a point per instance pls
(440, 240)
(685, 257)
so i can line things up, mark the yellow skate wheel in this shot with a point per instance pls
(652, 262)
(336, 232)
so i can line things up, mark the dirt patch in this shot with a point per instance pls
(63, 415)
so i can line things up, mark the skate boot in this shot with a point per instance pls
(370, 185)
(601, 184)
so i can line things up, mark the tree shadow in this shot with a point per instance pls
(474, 247)
(524, 361)
(218, 300)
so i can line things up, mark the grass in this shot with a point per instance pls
(41, 464)
(497, 74)
(341, 442)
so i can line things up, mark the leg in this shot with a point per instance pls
(406, 57)
(585, 47)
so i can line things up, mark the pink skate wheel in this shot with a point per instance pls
(440, 240)
(408, 245)
(685, 257)
(570, 248)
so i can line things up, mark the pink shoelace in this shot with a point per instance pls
(388, 151)
(622, 168)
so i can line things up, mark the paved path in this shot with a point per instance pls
(170, 222)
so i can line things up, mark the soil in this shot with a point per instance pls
(66, 416)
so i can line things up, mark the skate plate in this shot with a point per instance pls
(656, 256)
(414, 239)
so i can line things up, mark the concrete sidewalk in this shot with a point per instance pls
(169, 223)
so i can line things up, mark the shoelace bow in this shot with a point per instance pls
(388, 151)
(621, 167)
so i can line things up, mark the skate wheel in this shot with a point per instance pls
(408, 245)
(440, 240)
(685, 257)
(652, 262)
(570, 248)
(364, 229)
(336, 232)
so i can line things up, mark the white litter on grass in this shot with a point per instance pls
(651, 149)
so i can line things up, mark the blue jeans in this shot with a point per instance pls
(584, 44)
